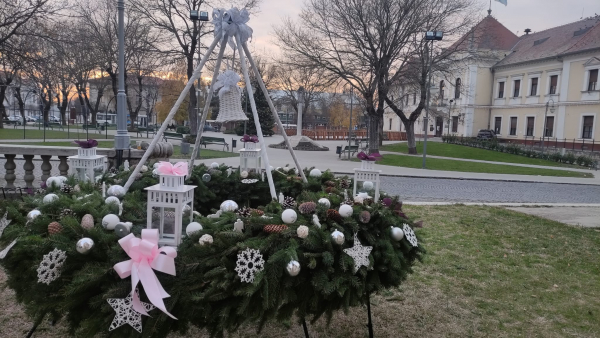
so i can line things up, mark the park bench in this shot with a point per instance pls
(53, 125)
(173, 136)
(143, 130)
(206, 140)
(353, 150)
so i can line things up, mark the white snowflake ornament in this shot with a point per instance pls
(249, 180)
(359, 253)
(410, 236)
(49, 269)
(126, 314)
(249, 262)
(4, 222)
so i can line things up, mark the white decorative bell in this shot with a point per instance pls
(230, 97)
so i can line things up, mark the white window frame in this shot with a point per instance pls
(530, 84)
(550, 74)
(580, 135)
(497, 91)
(512, 87)
(525, 126)
(516, 127)
(588, 69)
(554, 118)
(501, 120)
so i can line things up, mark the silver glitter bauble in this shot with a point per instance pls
(50, 198)
(293, 268)
(346, 210)
(155, 173)
(116, 191)
(229, 205)
(112, 199)
(84, 245)
(214, 165)
(397, 233)
(206, 177)
(33, 214)
(122, 229)
(368, 185)
(193, 227)
(325, 202)
(337, 237)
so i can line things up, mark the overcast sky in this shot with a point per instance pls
(518, 15)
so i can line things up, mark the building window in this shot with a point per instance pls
(530, 124)
(442, 85)
(454, 124)
(517, 88)
(593, 80)
(588, 126)
(457, 89)
(534, 86)
(553, 84)
(549, 126)
(390, 124)
(513, 126)
(500, 90)
(497, 124)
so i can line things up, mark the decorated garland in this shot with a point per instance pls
(252, 261)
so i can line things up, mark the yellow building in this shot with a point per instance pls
(507, 81)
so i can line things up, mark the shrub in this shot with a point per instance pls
(570, 158)
(183, 130)
(585, 161)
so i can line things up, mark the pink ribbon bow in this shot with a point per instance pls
(178, 169)
(145, 256)
(371, 157)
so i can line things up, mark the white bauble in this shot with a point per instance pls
(286, 169)
(110, 221)
(193, 227)
(315, 173)
(205, 239)
(155, 165)
(363, 195)
(244, 174)
(302, 231)
(61, 179)
(324, 202)
(116, 191)
(229, 205)
(52, 181)
(155, 173)
(50, 198)
(346, 210)
(368, 185)
(76, 188)
(397, 233)
(337, 237)
(214, 165)
(293, 268)
(358, 200)
(112, 199)
(33, 214)
(84, 245)
(144, 168)
(186, 208)
(289, 216)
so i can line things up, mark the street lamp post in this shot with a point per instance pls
(552, 109)
(350, 124)
(122, 136)
(195, 16)
(449, 115)
(429, 36)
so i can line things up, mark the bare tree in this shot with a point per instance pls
(365, 43)
(41, 70)
(15, 14)
(12, 63)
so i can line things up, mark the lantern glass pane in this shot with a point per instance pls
(163, 219)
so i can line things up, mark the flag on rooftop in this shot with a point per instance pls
(503, 2)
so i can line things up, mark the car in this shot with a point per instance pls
(16, 119)
(486, 134)
(30, 119)
(208, 127)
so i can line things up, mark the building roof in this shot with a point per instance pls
(488, 34)
(555, 42)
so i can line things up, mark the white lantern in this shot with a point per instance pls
(250, 158)
(369, 176)
(166, 202)
(86, 164)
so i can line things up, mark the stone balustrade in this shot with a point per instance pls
(49, 154)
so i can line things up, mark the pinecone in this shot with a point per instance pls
(244, 212)
(307, 207)
(66, 212)
(67, 189)
(275, 228)
(331, 190)
(288, 203)
(54, 228)
(344, 183)
(113, 170)
(330, 184)
(334, 215)
(257, 212)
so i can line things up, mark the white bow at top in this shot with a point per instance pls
(231, 22)
(227, 81)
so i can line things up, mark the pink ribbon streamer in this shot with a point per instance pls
(178, 169)
(145, 256)
(370, 157)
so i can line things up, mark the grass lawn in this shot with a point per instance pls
(458, 151)
(474, 167)
(488, 272)
(10, 134)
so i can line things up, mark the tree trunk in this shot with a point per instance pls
(374, 133)
(380, 125)
(410, 136)
(2, 108)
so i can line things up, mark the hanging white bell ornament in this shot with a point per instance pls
(337, 237)
(33, 214)
(397, 233)
(116, 191)
(84, 245)
(368, 185)
(50, 198)
(325, 202)
(193, 227)
(289, 216)
(230, 97)
(315, 173)
(293, 268)
(346, 210)
(110, 221)
(229, 205)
